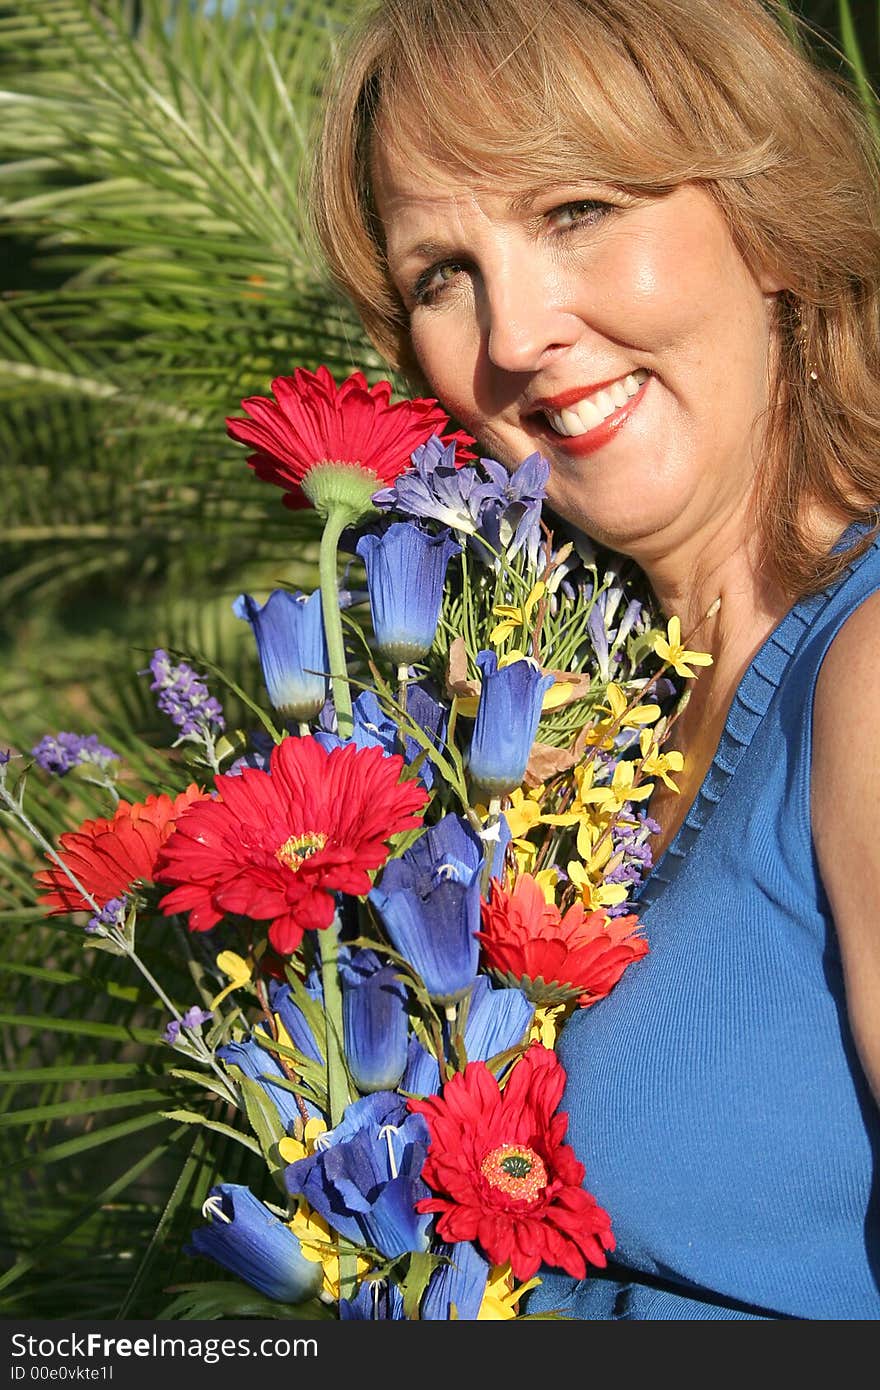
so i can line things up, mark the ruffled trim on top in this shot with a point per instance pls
(748, 707)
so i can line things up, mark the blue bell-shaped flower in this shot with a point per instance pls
(365, 1178)
(375, 1021)
(507, 722)
(292, 648)
(247, 1239)
(434, 931)
(405, 573)
(262, 1066)
(460, 1284)
(496, 1020)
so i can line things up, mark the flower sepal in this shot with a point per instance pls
(345, 488)
(540, 992)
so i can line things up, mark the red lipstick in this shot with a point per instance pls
(579, 446)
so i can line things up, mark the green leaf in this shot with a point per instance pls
(192, 1117)
(229, 1300)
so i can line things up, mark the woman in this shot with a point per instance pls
(643, 237)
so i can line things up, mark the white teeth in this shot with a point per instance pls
(592, 410)
(571, 423)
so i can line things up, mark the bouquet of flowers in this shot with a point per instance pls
(405, 877)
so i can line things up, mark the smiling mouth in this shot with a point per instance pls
(582, 416)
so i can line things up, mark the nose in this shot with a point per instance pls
(525, 319)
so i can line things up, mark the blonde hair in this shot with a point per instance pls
(647, 95)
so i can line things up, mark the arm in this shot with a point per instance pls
(846, 815)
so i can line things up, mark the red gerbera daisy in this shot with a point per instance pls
(110, 856)
(502, 1175)
(278, 845)
(313, 423)
(555, 956)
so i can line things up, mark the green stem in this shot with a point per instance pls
(492, 820)
(116, 936)
(337, 520)
(338, 1093)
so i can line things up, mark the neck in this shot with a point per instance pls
(723, 564)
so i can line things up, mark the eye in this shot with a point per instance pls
(580, 214)
(433, 281)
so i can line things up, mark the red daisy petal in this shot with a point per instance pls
(527, 937)
(501, 1175)
(109, 856)
(277, 846)
(311, 421)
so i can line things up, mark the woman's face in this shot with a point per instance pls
(624, 338)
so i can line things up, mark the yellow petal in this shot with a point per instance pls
(557, 695)
(466, 705)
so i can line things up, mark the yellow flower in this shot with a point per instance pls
(657, 764)
(524, 811)
(547, 880)
(524, 855)
(513, 617)
(669, 648)
(547, 1022)
(602, 731)
(628, 719)
(595, 896)
(319, 1244)
(291, 1150)
(502, 1295)
(237, 971)
(611, 799)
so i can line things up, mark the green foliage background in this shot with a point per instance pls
(158, 270)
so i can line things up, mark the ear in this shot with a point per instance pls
(770, 281)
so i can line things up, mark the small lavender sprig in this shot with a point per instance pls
(184, 697)
(60, 753)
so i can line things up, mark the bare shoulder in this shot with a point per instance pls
(850, 671)
(845, 804)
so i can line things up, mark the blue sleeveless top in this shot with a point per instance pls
(715, 1096)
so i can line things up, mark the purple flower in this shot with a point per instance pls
(511, 517)
(111, 915)
(481, 501)
(435, 490)
(631, 849)
(193, 1018)
(5, 756)
(58, 753)
(373, 728)
(184, 697)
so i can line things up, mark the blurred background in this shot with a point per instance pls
(156, 269)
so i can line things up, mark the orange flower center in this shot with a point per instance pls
(295, 851)
(516, 1170)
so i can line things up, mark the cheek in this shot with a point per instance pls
(447, 354)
